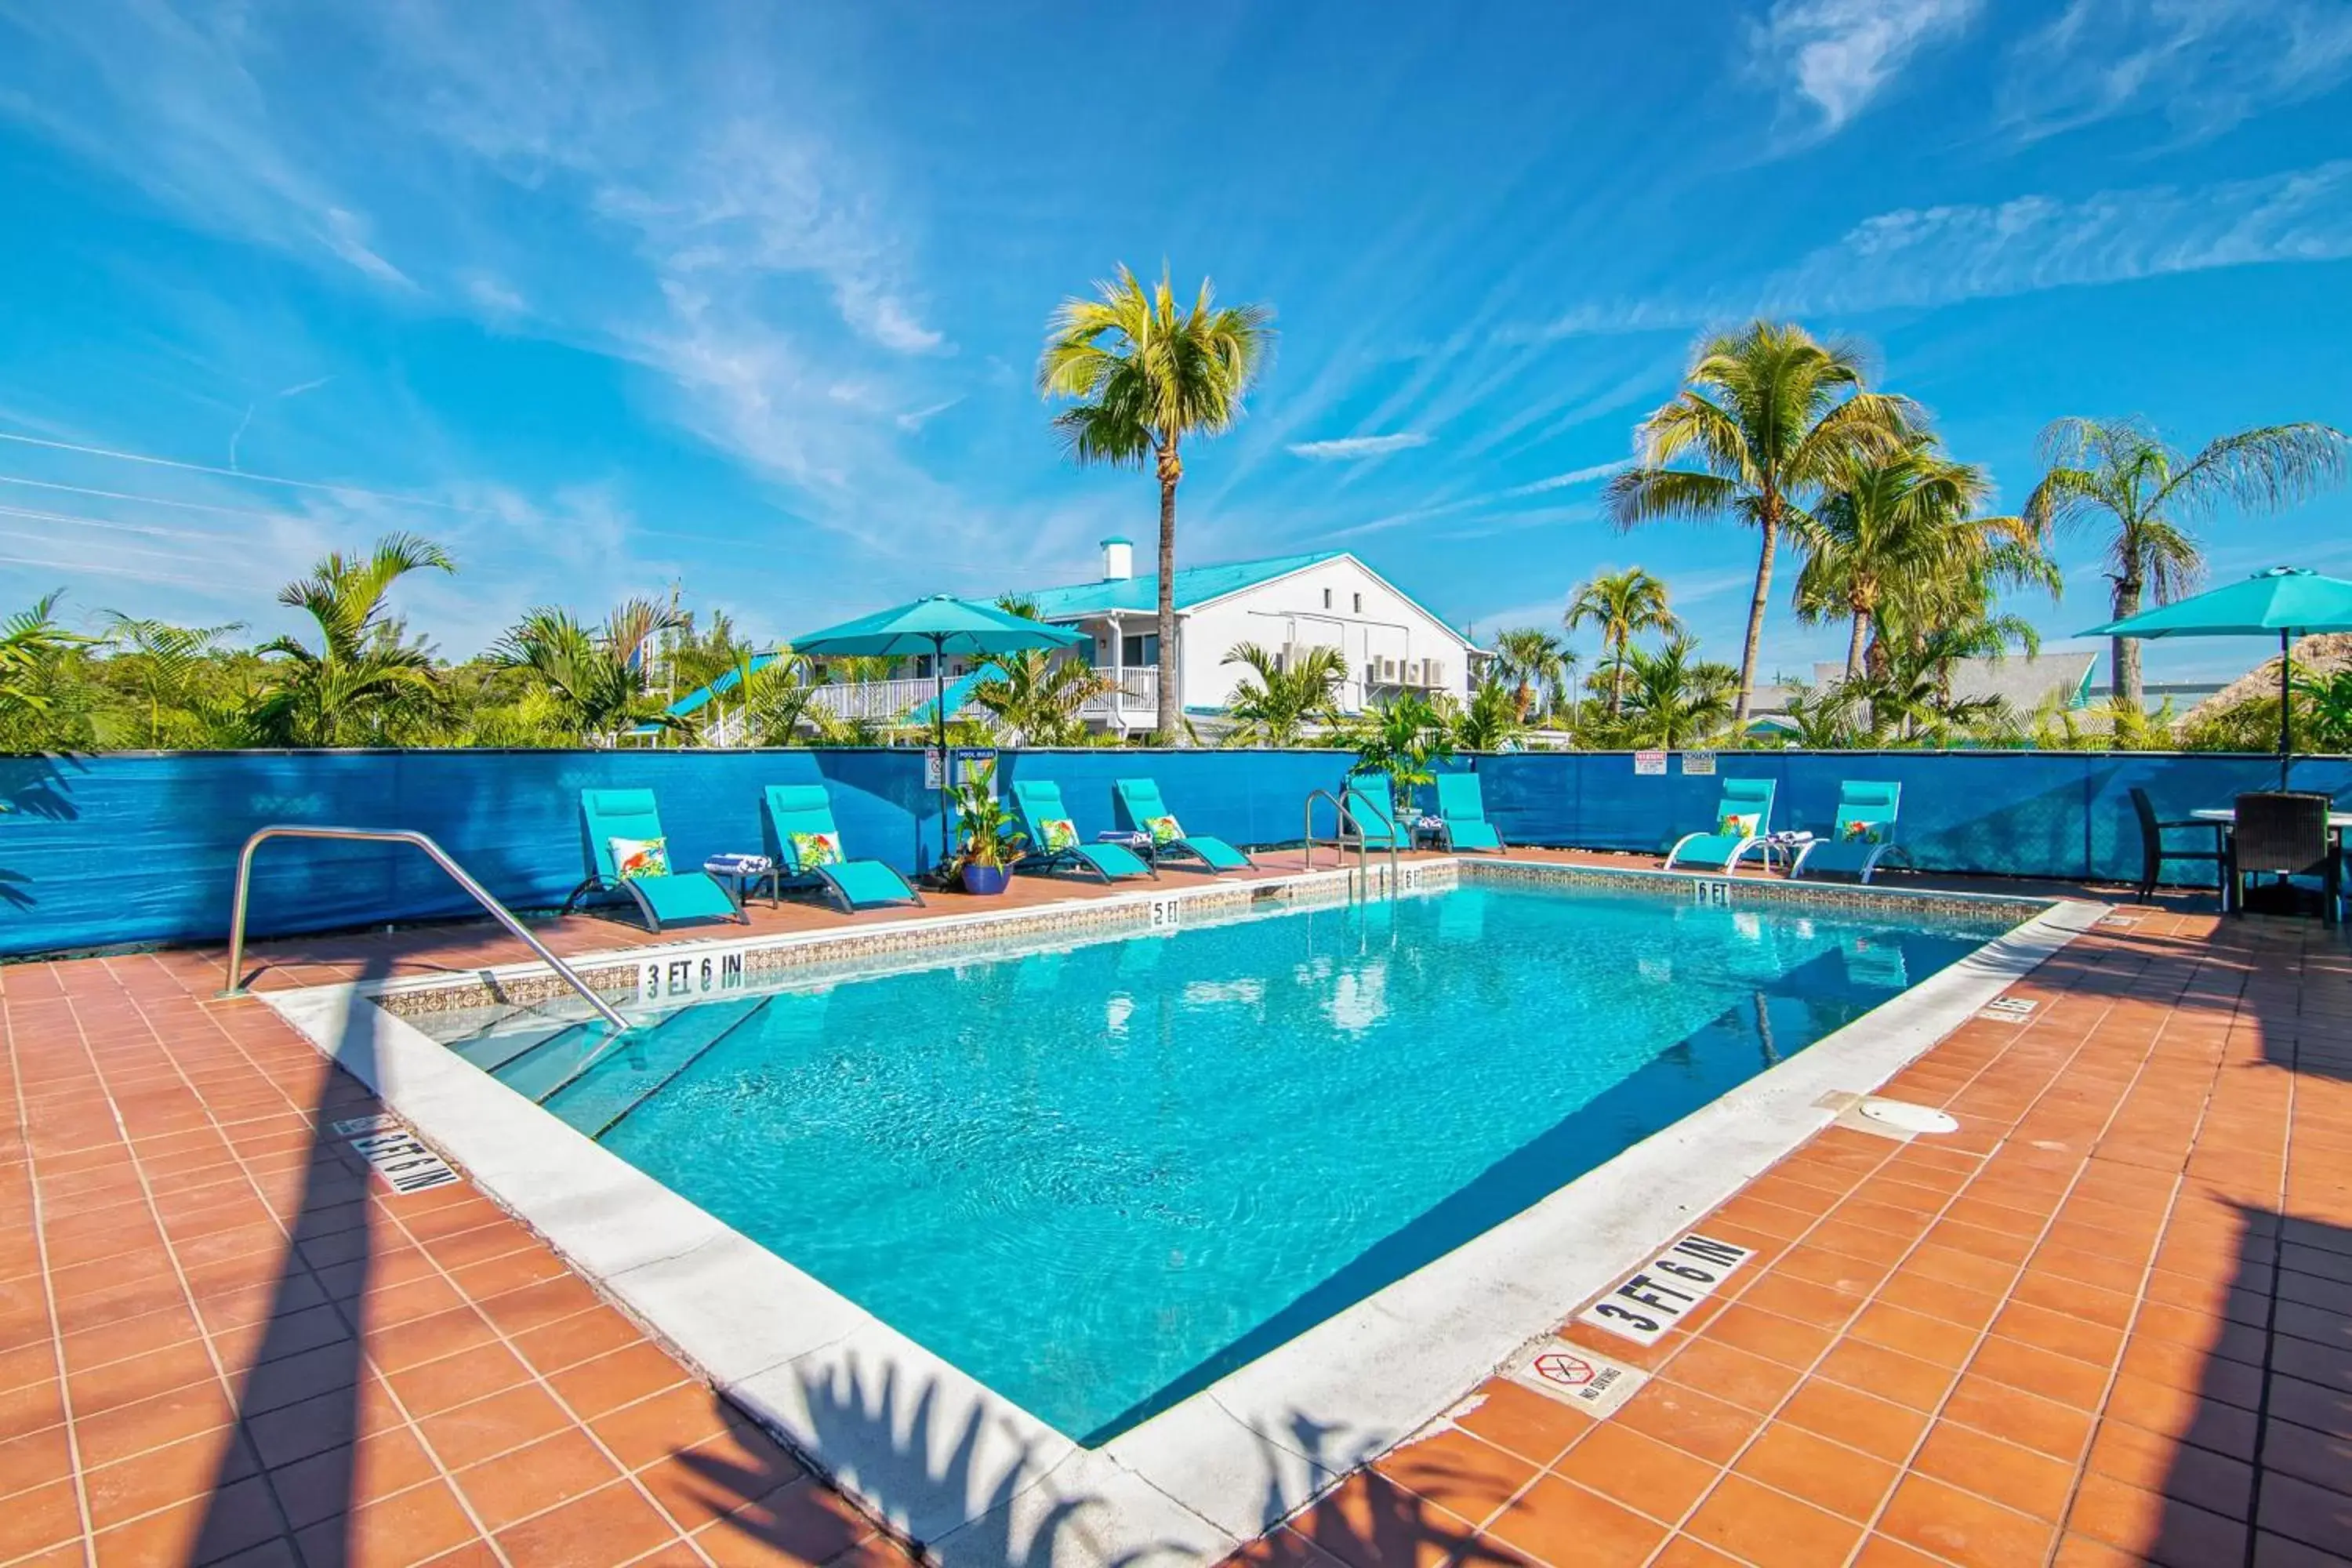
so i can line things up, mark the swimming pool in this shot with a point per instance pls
(1097, 1175)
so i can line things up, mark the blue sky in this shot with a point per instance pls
(750, 295)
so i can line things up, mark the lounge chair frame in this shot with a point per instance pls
(1724, 804)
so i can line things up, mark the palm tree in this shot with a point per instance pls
(1529, 659)
(362, 685)
(1492, 721)
(1823, 715)
(1675, 698)
(1400, 737)
(1275, 702)
(1039, 695)
(597, 677)
(1623, 605)
(169, 664)
(31, 641)
(1897, 525)
(1768, 418)
(1145, 375)
(2154, 495)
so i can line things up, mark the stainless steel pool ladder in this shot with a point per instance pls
(1359, 881)
(481, 895)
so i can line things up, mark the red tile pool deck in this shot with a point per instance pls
(2108, 1321)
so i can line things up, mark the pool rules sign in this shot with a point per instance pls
(1657, 1295)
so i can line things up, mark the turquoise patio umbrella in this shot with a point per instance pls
(2289, 600)
(937, 626)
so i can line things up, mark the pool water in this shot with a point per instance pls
(1097, 1177)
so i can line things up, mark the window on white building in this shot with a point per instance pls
(1327, 598)
(1359, 604)
(1144, 649)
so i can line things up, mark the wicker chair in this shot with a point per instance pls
(2285, 834)
(2155, 851)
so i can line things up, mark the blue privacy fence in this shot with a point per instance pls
(130, 849)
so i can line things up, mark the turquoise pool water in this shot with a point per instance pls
(1097, 1177)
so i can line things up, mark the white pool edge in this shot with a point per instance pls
(953, 1465)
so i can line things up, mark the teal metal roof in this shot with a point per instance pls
(1194, 584)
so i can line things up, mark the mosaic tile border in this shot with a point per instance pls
(682, 970)
(1695, 887)
(622, 974)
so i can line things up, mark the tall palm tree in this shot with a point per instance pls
(1898, 524)
(1144, 374)
(1529, 660)
(2121, 472)
(1766, 418)
(597, 677)
(1674, 697)
(1623, 606)
(1276, 701)
(362, 685)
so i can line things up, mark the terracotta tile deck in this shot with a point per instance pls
(2109, 1320)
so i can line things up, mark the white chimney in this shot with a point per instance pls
(1119, 560)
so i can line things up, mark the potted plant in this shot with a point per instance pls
(988, 839)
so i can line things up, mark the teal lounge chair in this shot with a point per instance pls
(802, 816)
(1371, 812)
(1742, 819)
(1861, 836)
(1462, 809)
(664, 898)
(1039, 803)
(1139, 803)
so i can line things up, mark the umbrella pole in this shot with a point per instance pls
(939, 717)
(2286, 720)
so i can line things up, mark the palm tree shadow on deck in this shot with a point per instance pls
(1369, 1520)
(936, 1468)
(946, 1471)
(307, 1371)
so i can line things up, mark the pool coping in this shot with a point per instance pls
(973, 1477)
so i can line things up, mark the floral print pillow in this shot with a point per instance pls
(639, 857)
(1162, 829)
(1860, 832)
(814, 849)
(1059, 832)
(1739, 824)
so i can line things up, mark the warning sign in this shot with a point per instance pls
(1574, 1375)
(1650, 765)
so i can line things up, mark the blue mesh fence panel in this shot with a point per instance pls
(101, 850)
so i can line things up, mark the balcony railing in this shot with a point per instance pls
(878, 700)
(1137, 691)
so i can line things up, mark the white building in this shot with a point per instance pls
(1388, 643)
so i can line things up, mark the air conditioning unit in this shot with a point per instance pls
(1385, 672)
(1288, 659)
(1432, 673)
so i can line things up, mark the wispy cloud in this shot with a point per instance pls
(1921, 257)
(2204, 65)
(1837, 56)
(1356, 448)
(1544, 486)
(916, 418)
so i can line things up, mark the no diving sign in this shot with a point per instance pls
(1574, 1375)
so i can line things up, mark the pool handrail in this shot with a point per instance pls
(440, 856)
(1346, 820)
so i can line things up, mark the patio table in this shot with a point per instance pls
(2227, 816)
